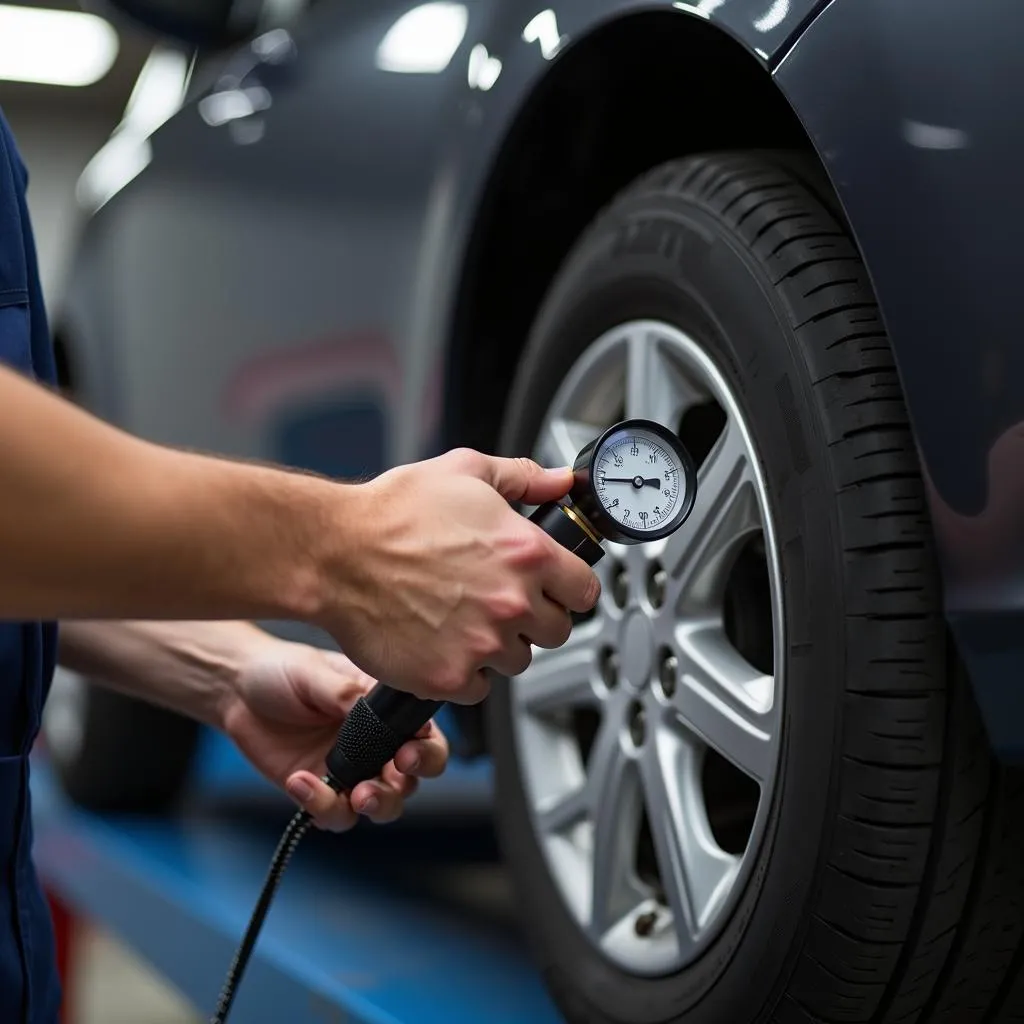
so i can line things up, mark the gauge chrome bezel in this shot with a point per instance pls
(586, 500)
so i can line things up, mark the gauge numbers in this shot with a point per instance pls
(636, 478)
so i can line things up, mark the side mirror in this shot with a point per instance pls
(207, 24)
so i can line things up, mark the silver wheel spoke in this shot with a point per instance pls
(655, 730)
(614, 800)
(695, 872)
(564, 811)
(725, 512)
(655, 389)
(562, 678)
(562, 440)
(724, 700)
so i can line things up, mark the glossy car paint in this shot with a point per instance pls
(333, 223)
(915, 125)
(283, 284)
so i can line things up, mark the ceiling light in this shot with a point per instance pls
(156, 97)
(423, 40)
(158, 91)
(483, 69)
(543, 29)
(53, 47)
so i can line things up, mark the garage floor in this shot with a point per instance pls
(112, 986)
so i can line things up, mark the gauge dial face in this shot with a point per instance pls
(639, 480)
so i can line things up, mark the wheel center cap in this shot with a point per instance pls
(637, 650)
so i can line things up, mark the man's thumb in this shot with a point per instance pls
(524, 480)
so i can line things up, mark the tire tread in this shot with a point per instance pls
(915, 759)
(918, 908)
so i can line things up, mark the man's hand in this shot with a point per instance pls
(288, 702)
(425, 576)
(444, 579)
(280, 702)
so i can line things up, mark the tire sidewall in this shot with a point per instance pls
(703, 279)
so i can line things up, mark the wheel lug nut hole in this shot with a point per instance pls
(637, 724)
(644, 924)
(620, 585)
(656, 581)
(668, 671)
(609, 668)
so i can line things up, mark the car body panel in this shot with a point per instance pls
(925, 158)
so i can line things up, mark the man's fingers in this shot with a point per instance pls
(330, 810)
(551, 626)
(325, 689)
(524, 480)
(514, 658)
(570, 582)
(381, 802)
(425, 757)
(474, 691)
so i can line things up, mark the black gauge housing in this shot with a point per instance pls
(587, 501)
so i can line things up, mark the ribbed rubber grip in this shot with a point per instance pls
(362, 747)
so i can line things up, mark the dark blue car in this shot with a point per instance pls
(772, 777)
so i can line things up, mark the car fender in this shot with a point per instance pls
(508, 50)
(924, 156)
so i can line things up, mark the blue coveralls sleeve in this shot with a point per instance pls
(29, 987)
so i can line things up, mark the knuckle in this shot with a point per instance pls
(448, 680)
(531, 548)
(464, 458)
(510, 604)
(592, 591)
(526, 466)
(476, 690)
(451, 680)
(485, 646)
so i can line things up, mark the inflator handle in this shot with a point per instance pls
(385, 718)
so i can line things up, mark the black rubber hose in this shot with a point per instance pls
(371, 735)
(290, 838)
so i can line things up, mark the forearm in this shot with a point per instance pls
(97, 524)
(190, 667)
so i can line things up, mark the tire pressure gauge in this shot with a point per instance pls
(634, 483)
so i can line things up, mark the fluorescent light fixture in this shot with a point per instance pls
(121, 160)
(483, 68)
(156, 96)
(54, 47)
(423, 40)
(543, 29)
(158, 90)
(704, 9)
(773, 17)
(220, 107)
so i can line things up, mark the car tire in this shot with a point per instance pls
(888, 881)
(112, 753)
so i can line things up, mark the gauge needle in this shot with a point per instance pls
(636, 481)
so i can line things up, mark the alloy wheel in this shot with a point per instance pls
(649, 742)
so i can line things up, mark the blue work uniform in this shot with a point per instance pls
(29, 986)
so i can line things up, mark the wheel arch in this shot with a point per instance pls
(582, 134)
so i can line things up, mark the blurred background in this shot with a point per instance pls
(59, 127)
